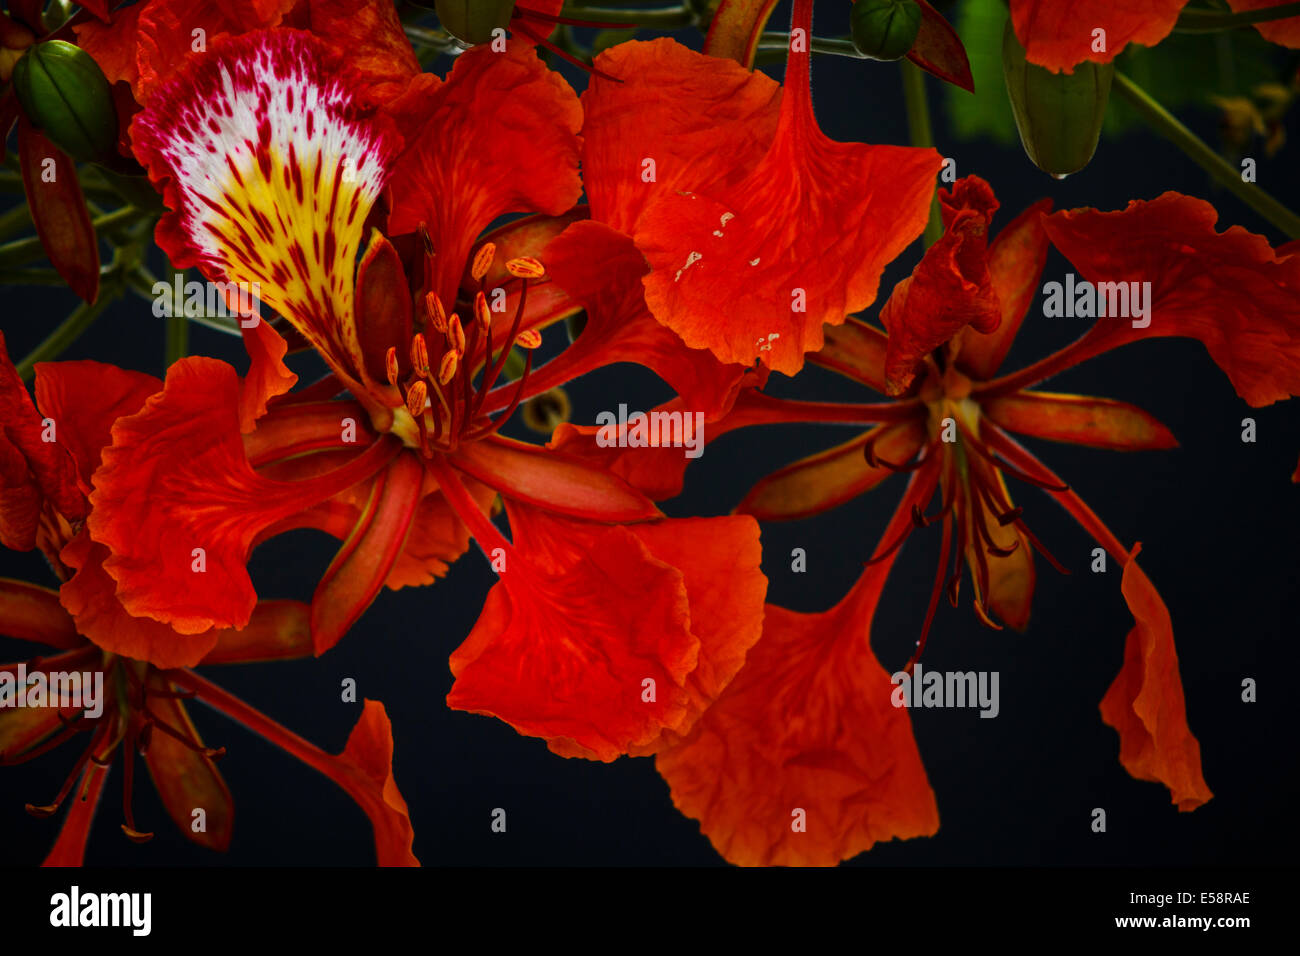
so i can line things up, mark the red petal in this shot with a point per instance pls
(90, 596)
(277, 631)
(1060, 35)
(830, 478)
(467, 167)
(268, 377)
(186, 780)
(950, 288)
(384, 305)
(1145, 703)
(753, 267)
(857, 350)
(1228, 289)
(378, 49)
(639, 119)
(939, 50)
(1015, 263)
(584, 615)
(32, 613)
(364, 770)
(113, 46)
(807, 725)
(52, 471)
(59, 211)
(602, 269)
(552, 480)
(85, 399)
(361, 566)
(1079, 420)
(175, 480)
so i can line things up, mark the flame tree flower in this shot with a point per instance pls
(786, 736)
(606, 628)
(46, 458)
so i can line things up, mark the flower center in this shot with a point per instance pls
(443, 406)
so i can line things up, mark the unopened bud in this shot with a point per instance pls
(67, 97)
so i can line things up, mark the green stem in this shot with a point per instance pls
(920, 134)
(1212, 21)
(776, 45)
(176, 341)
(22, 251)
(1223, 172)
(63, 336)
(659, 18)
(31, 277)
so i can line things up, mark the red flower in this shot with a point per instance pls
(46, 460)
(406, 472)
(1229, 290)
(757, 228)
(142, 710)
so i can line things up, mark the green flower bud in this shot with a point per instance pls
(66, 96)
(885, 29)
(1058, 114)
(474, 20)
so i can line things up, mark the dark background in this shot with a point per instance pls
(1217, 519)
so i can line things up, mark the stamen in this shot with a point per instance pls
(417, 396)
(528, 339)
(483, 261)
(525, 267)
(481, 311)
(456, 333)
(48, 811)
(420, 355)
(390, 365)
(437, 315)
(447, 369)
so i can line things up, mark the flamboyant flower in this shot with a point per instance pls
(599, 648)
(784, 735)
(46, 457)
(757, 228)
(1060, 34)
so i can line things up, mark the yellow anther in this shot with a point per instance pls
(528, 339)
(482, 312)
(483, 261)
(456, 334)
(447, 370)
(437, 315)
(420, 355)
(390, 365)
(525, 267)
(416, 398)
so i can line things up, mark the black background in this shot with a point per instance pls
(1217, 518)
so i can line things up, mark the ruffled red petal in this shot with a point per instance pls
(501, 136)
(90, 596)
(591, 638)
(949, 289)
(751, 265)
(804, 760)
(1145, 703)
(180, 508)
(1059, 34)
(1230, 290)
(84, 399)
